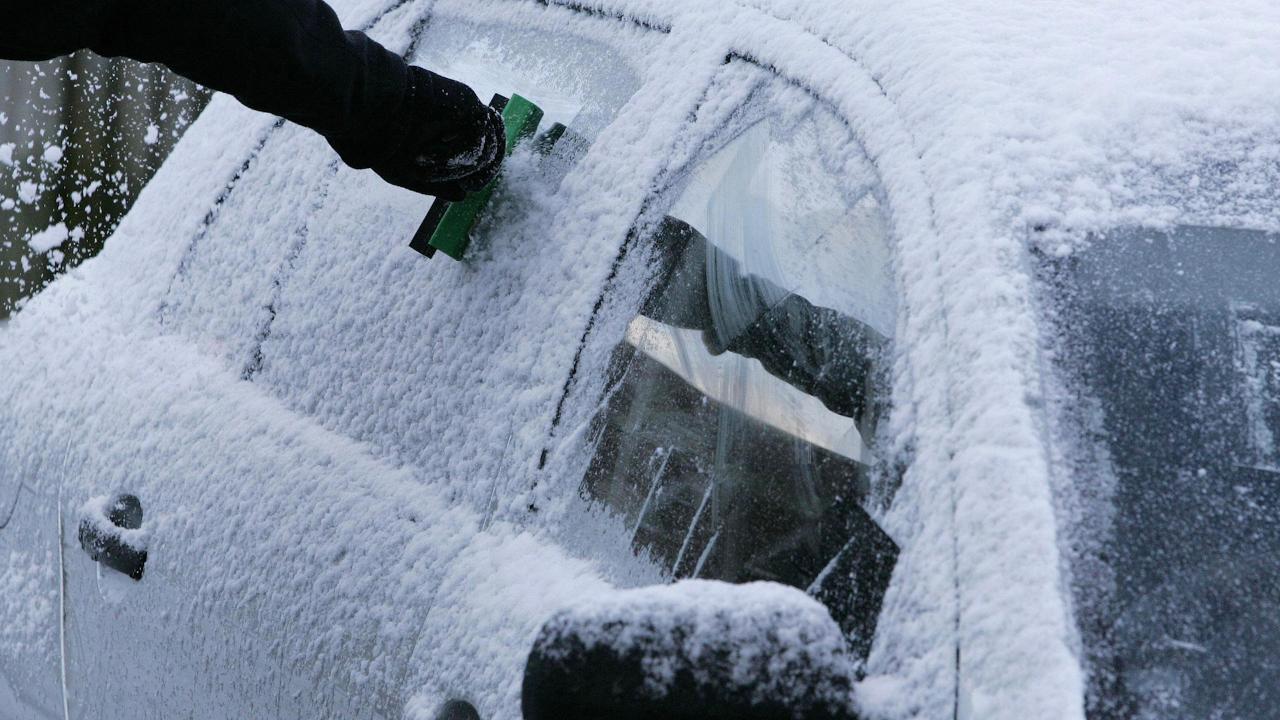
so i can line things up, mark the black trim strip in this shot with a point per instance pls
(184, 265)
(597, 12)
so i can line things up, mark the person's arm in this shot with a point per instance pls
(290, 58)
(817, 350)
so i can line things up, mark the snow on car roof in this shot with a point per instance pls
(992, 122)
(1078, 115)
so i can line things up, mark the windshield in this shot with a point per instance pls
(1170, 343)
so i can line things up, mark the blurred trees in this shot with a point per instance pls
(79, 137)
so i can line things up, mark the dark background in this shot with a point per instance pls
(114, 122)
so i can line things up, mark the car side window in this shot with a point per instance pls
(738, 434)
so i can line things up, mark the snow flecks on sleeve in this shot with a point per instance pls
(28, 191)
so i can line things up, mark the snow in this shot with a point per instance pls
(52, 154)
(353, 433)
(49, 238)
(1076, 117)
(336, 548)
(386, 557)
(28, 610)
(6, 153)
(28, 191)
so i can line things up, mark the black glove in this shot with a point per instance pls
(454, 143)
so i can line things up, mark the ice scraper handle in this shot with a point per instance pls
(447, 227)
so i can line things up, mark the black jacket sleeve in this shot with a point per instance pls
(290, 58)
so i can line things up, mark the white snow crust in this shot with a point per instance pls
(96, 511)
(338, 441)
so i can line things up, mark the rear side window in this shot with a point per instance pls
(404, 346)
(738, 436)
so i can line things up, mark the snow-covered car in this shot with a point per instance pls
(960, 317)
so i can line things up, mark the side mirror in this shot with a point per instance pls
(695, 650)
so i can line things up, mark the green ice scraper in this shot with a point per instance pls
(447, 227)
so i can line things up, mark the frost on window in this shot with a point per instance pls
(575, 81)
(1170, 341)
(1258, 361)
(736, 441)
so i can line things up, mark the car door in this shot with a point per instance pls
(323, 452)
(30, 639)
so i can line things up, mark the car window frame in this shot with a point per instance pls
(699, 139)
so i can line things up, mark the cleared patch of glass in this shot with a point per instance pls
(737, 437)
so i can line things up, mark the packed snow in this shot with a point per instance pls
(338, 442)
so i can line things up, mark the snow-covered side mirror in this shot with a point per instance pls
(693, 650)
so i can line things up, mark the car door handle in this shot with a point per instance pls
(111, 532)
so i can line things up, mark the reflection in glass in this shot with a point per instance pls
(735, 441)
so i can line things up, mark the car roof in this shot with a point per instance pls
(1076, 115)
